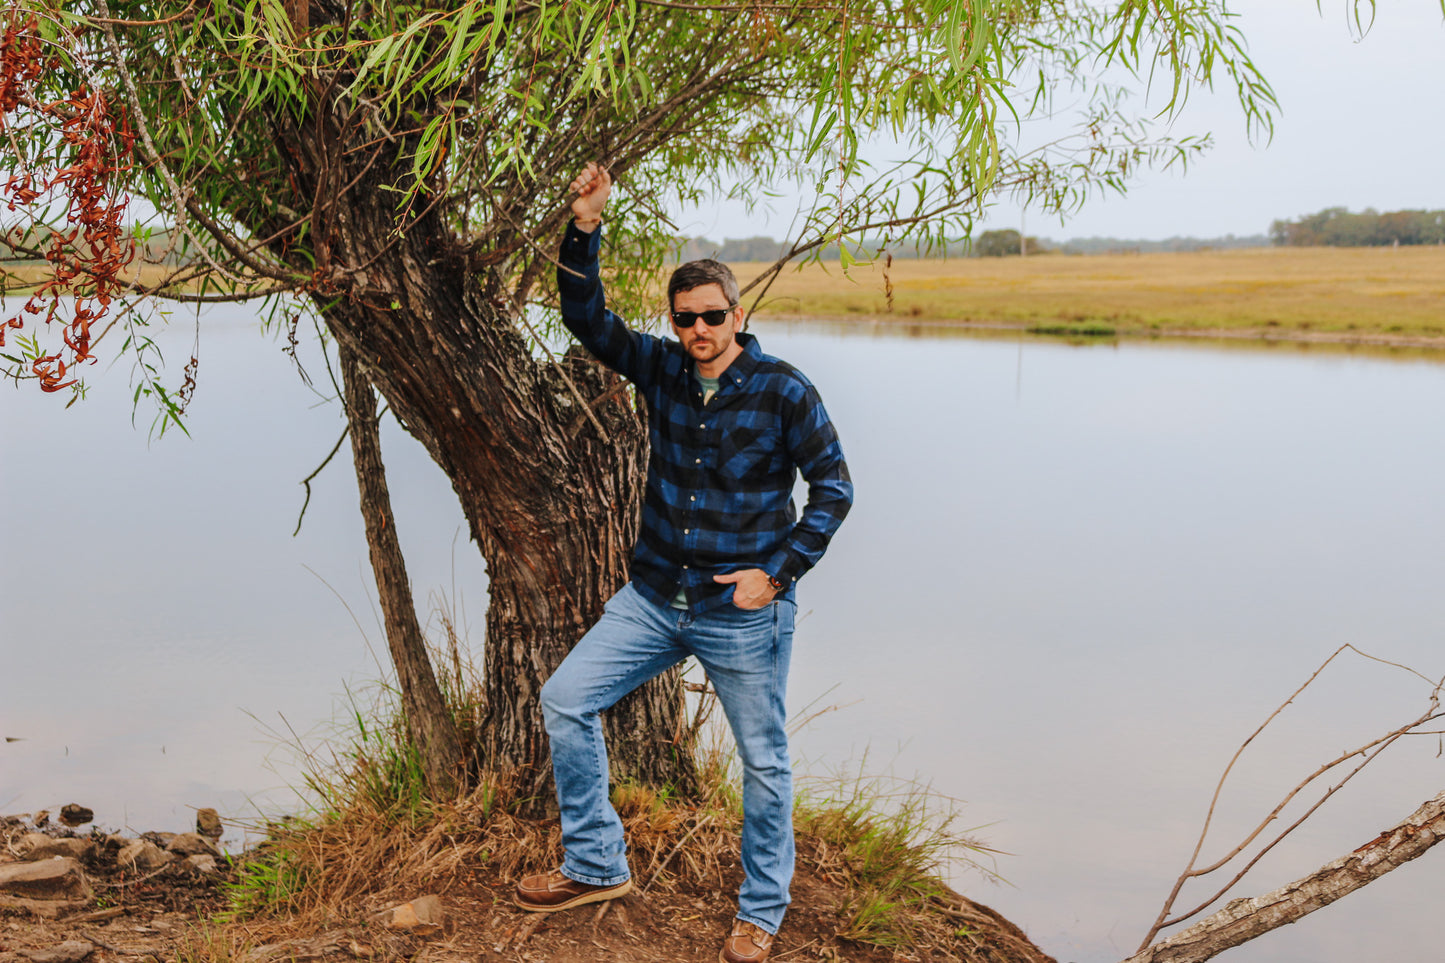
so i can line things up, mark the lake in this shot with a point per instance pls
(1075, 579)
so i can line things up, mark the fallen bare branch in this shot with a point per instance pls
(1244, 919)
(1368, 751)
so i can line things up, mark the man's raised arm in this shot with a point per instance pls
(584, 303)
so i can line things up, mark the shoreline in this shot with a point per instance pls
(984, 327)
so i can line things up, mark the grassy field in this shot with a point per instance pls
(1389, 294)
(1381, 295)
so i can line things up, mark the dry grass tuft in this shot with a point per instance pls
(890, 847)
(377, 840)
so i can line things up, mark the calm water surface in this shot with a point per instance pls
(1075, 579)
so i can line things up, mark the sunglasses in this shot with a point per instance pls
(713, 318)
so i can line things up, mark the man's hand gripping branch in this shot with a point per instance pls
(593, 186)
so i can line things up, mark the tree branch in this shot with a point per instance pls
(1244, 919)
(1369, 751)
(152, 155)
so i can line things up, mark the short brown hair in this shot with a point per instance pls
(694, 274)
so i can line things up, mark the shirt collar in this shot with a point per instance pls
(742, 366)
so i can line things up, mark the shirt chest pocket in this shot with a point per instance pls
(750, 454)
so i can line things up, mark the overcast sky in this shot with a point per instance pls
(1361, 125)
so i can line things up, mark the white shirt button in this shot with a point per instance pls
(687, 531)
(692, 498)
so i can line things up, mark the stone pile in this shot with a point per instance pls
(111, 898)
(49, 871)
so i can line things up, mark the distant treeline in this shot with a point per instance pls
(1337, 227)
(988, 244)
(1114, 245)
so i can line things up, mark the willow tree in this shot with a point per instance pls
(398, 169)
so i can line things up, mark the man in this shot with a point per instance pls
(712, 575)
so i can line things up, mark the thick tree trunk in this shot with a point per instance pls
(1244, 919)
(429, 724)
(551, 501)
(552, 505)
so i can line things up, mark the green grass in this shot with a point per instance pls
(1073, 330)
(895, 842)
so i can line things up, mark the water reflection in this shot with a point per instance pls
(1384, 349)
(1073, 582)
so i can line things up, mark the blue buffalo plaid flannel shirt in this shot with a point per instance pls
(720, 475)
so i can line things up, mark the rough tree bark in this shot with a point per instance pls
(429, 724)
(1244, 919)
(551, 501)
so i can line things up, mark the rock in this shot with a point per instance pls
(193, 844)
(35, 846)
(421, 915)
(203, 864)
(71, 951)
(208, 823)
(160, 839)
(141, 856)
(57, 878)
(75, 815)
(39, 819)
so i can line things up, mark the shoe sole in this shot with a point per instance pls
(722, 956)
(600, 896)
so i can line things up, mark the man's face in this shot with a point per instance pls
(703, 342)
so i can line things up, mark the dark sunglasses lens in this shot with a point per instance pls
(713, 318)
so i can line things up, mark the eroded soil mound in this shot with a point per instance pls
(171, 911)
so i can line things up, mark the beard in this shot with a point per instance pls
(707, 351)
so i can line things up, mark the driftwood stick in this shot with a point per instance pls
(1167, 914)
(99, 916)
(120, 950)
(1244, 919)
(529, 926)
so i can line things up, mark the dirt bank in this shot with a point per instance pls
(174, 912)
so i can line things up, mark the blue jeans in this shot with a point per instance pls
(745, 654)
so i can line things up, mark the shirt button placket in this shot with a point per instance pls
(692, 499)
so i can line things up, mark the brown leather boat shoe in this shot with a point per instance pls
(550, 892)
(747, 943)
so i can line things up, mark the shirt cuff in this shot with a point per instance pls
(581, 245)
(785, 567)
